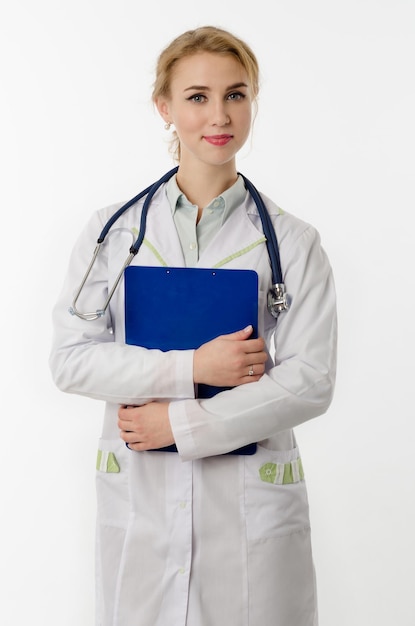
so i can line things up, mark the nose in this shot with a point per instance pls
(219, 115)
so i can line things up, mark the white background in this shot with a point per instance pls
(334, 144)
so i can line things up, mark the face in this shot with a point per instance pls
(210, 106)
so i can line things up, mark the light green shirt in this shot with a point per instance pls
(195, 237)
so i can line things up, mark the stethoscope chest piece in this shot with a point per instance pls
(277, 300)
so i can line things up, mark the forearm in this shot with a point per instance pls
(249, 413)
(123, 374)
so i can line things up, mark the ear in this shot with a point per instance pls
(163, 108)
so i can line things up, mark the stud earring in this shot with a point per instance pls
(167, 125)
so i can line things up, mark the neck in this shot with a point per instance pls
(201, 184)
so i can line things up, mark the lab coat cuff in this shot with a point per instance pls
(183, 436)
(184, 374)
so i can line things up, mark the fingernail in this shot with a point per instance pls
(247, 328)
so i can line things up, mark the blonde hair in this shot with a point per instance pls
(202, 39)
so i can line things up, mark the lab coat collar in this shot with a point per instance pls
(162, 244)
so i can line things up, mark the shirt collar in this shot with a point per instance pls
(228, 200)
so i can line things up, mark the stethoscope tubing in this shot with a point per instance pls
(278, 298)
(269, 232)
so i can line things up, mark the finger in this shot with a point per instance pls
(250, 379)
(258, 359)
(255, 371)
(240, 335)
(254, 345)
(124, 412)
(125, 425)
(130, 437)
(126, 419)
(138, 447)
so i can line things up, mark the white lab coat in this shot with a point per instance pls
(201, 538)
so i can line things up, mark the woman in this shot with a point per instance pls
(202, 537)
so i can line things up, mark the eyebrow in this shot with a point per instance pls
(205, 88)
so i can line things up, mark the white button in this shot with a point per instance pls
(182, 570)
(216, 203)
(182, 505)
(192, 246)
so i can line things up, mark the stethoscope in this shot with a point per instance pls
(277, 297)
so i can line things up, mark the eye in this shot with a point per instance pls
(236, 95)
(197, 97)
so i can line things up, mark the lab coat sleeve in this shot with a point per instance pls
(299, 386)
(86, 359)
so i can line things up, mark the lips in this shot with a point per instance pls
(218, 140)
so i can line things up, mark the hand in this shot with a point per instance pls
(145, 427)
(227, 360)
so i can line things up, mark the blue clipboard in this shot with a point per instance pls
(180, 308)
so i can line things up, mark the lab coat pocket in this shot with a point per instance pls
(112, 482)
(276, 502)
